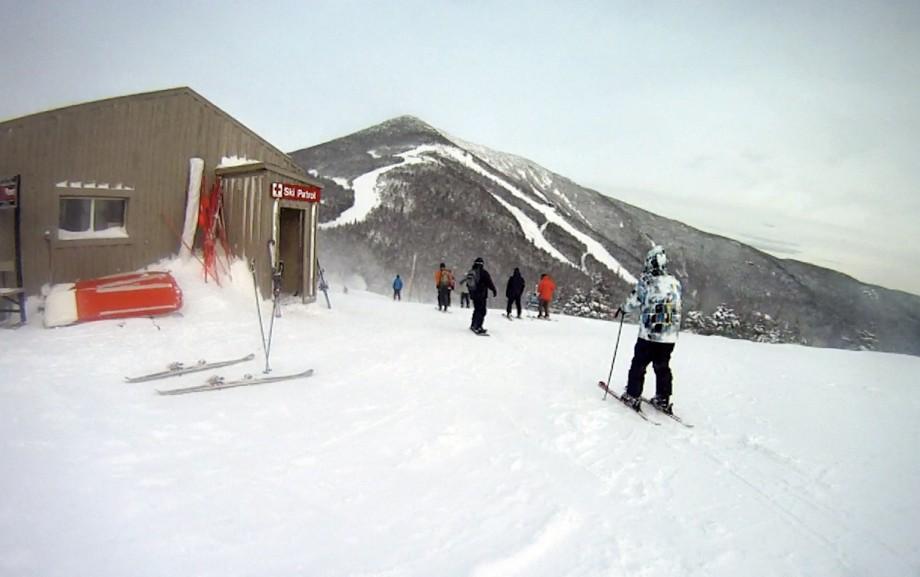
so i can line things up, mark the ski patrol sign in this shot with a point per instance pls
(298, 192)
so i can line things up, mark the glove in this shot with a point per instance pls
(620, 313)
(494, 294)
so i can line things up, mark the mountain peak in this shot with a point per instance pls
(407, 121)
(408, 126)
(405, 130)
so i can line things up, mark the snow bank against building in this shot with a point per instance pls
(419, 449)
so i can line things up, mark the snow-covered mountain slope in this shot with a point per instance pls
(419, 449)
(367, 198)
(402, 197)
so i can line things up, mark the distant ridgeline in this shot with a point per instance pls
(402, 194)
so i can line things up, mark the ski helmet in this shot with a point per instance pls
(656, 260)
(479, 261)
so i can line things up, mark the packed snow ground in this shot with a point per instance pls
(419, 449)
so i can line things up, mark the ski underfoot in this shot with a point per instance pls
(669, 415)
(617, 398)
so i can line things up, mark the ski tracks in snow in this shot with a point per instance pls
(544, 543)
(797, 500)
(646, 477)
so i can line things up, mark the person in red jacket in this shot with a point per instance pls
(545, 290)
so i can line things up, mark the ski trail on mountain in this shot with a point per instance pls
(532, 231)
(596, 249)
(367, 197)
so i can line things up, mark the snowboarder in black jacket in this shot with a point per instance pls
(480, 282)
(513, 291)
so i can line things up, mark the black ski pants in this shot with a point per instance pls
(443, 297)
(659, 354)
(479, 312)
(514, 301)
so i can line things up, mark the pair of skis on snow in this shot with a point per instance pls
(639, 411)
(638, 407)
(215, 382)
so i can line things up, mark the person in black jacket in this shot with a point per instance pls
(481, 283)
(513, 291)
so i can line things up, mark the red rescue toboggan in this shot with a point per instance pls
(140, 294)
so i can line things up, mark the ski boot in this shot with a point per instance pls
(631, 401)
(663, 405)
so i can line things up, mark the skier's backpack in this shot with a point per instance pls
(472, 280)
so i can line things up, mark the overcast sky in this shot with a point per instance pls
(792, 126)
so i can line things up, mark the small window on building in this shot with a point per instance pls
(92, 217)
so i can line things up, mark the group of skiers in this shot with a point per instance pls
(656, 297)
(477, 284)
(542, 296)
(475, 287)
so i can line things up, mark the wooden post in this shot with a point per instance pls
(412, 276)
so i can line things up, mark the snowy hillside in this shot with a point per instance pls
(419, 449)
(367, 198)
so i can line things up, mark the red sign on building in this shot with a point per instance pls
(298, 192)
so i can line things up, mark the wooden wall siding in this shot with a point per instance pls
(248, 216)
(142, 141)
(244, 204)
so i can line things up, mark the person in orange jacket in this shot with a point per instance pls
(545, 290)
(444, 282)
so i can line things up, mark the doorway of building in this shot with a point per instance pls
(291, 250)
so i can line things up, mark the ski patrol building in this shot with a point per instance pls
(101, 188)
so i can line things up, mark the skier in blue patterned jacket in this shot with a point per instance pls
(657, 297)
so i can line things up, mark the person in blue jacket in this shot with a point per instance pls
(397, 288)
